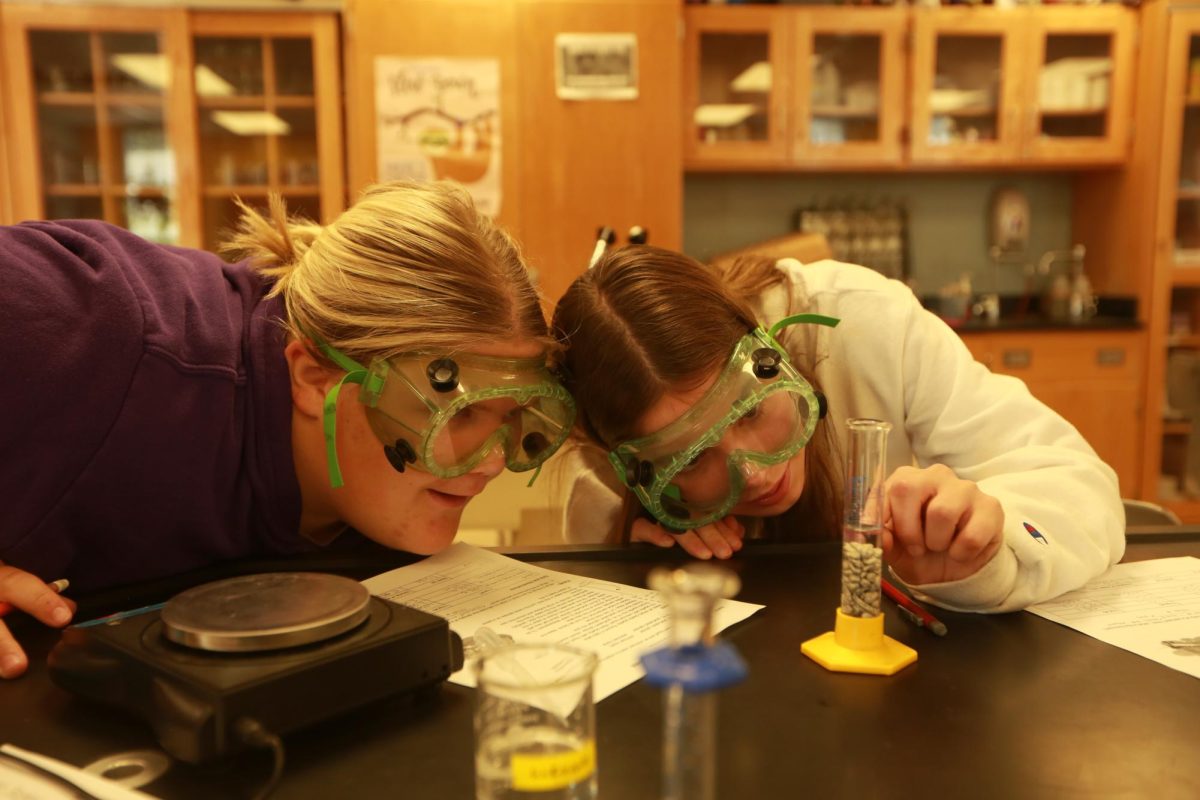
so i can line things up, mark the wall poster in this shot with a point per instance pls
(439, 118)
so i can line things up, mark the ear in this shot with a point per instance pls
(310, 379)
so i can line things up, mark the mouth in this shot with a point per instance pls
(449, 500)
(774, 494)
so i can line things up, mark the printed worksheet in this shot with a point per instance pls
(1151, 608)
(474, 588)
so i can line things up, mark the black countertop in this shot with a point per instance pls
(1005, 706)
(1113, 313)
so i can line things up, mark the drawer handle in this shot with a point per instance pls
(1110, 356)
(1016, 359)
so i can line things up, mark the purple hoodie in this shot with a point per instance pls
(145, 408)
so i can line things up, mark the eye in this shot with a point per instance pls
(695, 462)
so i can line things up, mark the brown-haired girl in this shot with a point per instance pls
(719, 399)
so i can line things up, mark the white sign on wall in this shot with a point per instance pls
(439, 118)
(596, 66)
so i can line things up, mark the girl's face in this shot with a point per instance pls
(768, 491)
(411, 510)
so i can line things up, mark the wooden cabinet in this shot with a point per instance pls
(1092, 378)
(268, 115)
(848, 102)
(737, 63)
(833, 88)
(1079, 97)
(98, 107)
(1172, 470)
(1038, 86)
(154, 119)
(770, 87)
(966, 85)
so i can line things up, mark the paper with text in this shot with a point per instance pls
(1151, 608)
(472, 588)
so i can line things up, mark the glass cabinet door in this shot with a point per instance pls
(259, 131)
(1187, 195)
(964, 102)
(1078, 99)
(848, 107)
(101, 132)
(1173, 449)
(735, 79)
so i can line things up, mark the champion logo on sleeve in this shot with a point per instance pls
(1035, 533)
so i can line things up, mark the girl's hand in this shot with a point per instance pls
(21, 590)
(722, 538)
(938, 527)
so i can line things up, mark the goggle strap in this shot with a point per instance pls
(329, 422)
(536, 472)
(794, 319)
(343, 361)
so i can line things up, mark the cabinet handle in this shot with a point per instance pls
(1110, 356)
(1017, 359)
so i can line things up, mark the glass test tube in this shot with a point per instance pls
(862, 528)
(690, 717)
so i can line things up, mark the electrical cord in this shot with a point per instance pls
(251, 732)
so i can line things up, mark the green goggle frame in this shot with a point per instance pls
(375, 378)
(651, 479)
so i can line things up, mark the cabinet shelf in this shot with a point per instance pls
(1187, 193)
(1177, 427)
(257, 101)
(973, 111)
(1190, 341)
(844, 112)
(1186, 271)
(73, 190)
(84, 99)
(67, 98)
(1097, 111)
(259, 190)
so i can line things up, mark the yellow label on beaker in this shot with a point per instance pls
(542, 772)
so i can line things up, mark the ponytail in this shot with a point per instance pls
(273, 243)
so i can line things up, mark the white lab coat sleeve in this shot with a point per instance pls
(593, 500)
(1064, 522)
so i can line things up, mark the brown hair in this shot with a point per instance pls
(410, 267)
(644, 321)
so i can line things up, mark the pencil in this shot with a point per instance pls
(59, 586)
(913, 612)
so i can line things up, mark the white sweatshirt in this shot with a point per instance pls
(890, 359)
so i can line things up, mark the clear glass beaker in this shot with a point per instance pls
(535, 723)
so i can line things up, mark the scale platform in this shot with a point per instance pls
(285, 649)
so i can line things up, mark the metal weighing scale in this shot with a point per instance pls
(285, 649)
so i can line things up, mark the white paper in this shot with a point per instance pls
(472, 588)
(95, 785)
(1151, 608)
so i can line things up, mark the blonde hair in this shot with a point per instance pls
(411, 267)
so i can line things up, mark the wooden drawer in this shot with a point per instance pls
(1056, 355)
(1093, 378)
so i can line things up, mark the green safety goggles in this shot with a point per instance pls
(759, 412)
(444, 414)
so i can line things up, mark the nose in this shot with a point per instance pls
(492, 464)
(754, 475)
